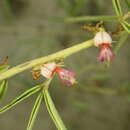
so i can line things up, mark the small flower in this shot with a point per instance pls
(106, 54)
(102, 37)
(66, 76)
(47, 70)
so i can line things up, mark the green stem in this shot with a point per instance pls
(91, 18)
(58, 55)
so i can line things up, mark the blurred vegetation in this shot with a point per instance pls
(30, 29)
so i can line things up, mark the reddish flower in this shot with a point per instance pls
(106, 54)
(66, 76)
(103, 39)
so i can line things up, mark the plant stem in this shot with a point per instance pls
(91, 18)
(58, 55)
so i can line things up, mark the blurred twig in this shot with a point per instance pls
(8, 13)
(91, 18)
(65, 4)
(104, 91)
(127, 3)
(121, 42)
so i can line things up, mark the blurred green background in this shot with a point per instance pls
(33, 28)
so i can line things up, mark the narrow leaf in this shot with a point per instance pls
(117, 6)
(20, 98)
(3, 88)
(52, 111)
(34, 111)
(126, 26)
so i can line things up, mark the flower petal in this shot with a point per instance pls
(47, 70)
(102, 37)
(66, 76)
(106, 54)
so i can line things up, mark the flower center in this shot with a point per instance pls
(104, 45)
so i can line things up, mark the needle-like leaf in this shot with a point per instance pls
(20, 98)
(126, 26)
(34, 111)
(52, 111)
(3, 88)
(119, 13)
(117, 7)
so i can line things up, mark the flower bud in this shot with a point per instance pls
(102, 37)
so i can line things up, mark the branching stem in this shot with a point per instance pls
(58, 55)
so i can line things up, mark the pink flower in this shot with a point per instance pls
(106, 54)
(103, 39)
(67, 77)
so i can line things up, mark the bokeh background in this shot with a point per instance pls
(33, 28)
